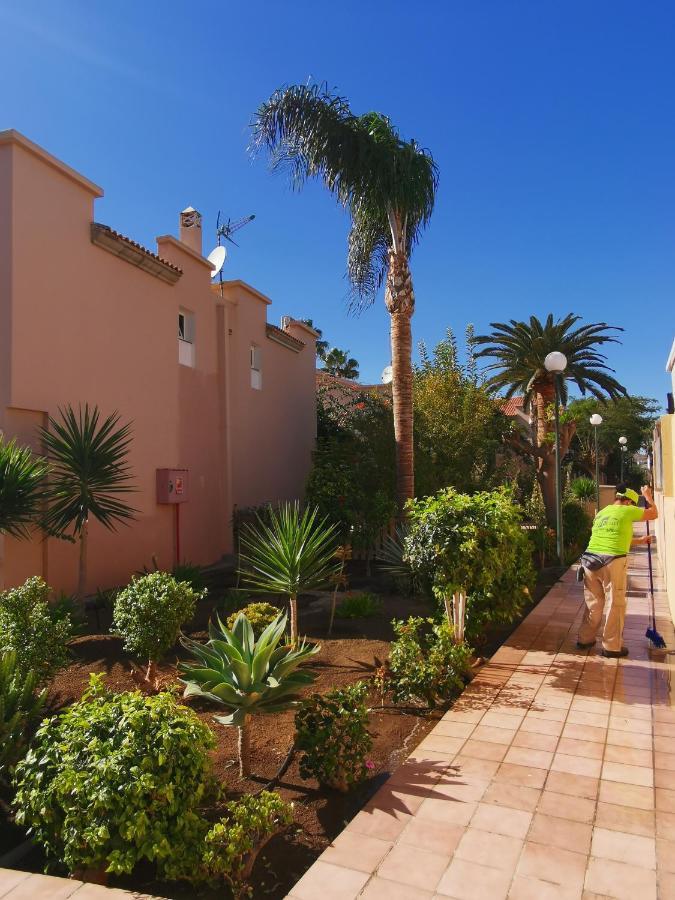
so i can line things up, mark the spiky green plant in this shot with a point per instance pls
(89, 475)
(245, 675)
(21, 707)
(22, 488)
(292, 552)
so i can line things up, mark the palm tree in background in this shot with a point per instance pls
(89, 475)
(519, 350)
(321, 345)
(388, 186)
(340, 363)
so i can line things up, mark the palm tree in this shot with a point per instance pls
(388, 186)
(321, 345)
(340, 363)
(519, 350)
(89, 473)
(22, 488)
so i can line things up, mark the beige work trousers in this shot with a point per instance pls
(608, 583)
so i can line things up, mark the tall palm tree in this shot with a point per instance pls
(89, 475)
(321, 345)
(519, 350)
(340, 363)
(22, 488)
(388, 186)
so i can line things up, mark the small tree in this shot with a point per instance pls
(89, 476)
(22, 488)
(463, 544)
(292, 553)
(149, 614)
(245, 675)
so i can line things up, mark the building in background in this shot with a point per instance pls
(87, 315)
(664, 486)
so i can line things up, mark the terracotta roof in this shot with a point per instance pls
(106, 237)
(325, 379)
(513, 406)
(283, 337)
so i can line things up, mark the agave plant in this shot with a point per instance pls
(292, 552)
(245, 675)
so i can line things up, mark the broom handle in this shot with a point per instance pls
(651, 576)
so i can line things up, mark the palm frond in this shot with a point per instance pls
(22, 488)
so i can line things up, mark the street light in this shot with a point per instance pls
(623, 441)
(556, 363)
(596, 420)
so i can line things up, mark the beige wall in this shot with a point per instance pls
(665, 498)
(78, 324)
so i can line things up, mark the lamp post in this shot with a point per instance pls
(596, 420)
(622, 441)
(556, 363)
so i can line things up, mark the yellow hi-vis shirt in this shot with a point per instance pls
(613, 529)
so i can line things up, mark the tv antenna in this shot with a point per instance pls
(227, 230)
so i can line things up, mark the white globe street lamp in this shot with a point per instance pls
(596, 420)
(556, 363)
(622, 441)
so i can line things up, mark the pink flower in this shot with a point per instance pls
(370, 764)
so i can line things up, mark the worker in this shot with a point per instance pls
(605, 565)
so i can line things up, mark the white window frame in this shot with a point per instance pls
(255, 363)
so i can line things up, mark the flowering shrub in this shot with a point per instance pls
(259, 615)
(31, 629)
(425, 663)
(332, 732)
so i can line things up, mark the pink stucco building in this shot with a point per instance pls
(88, 315)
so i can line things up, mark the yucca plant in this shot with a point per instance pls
(89, 475)
(292, 552)
(22, 488)
(245, 675)
(21, 707)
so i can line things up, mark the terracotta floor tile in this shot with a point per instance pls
(419, 868)
(662, 744)
(468, 765)
(632, 756)
(454, 729)
(524, 756)
(665, 800)
(45, 887)
(442, 744)
(381, 889)
(665, 825)
(465, 880)
(587, 749)
(439, 837)
(534, 889)
(552, 864)
(562, 833)
(574, 785)
(554, 713)
(495, 735)
(541, 726)
(330, 883)
(356, 851)
(584, 733)
(634, 849)
(625, 818)
(484, 750)
(524, 775)
(665, 855)
(502, 820)
(499, 851)
(447, 811)
(376, 823)
(535, 741)
(626, 739)
(636, 726)
(500, 720)
(626, 795)
(463, 714)
(512, 795)
(626, 774)
(565, 806)
(459, 788)
(666, 885)
(665, 760)
(620, 881)
(576, 765)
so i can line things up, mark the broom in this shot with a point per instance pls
(651, 633)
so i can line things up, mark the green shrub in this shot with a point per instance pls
(425, 663)
(193, 574)
(231, 846)
(260, 615)
(149, 613)
(583, 488)
(30, 628)
(577, 525)
(20, 711)
(359, 606)
(332, 732)
(115, 779)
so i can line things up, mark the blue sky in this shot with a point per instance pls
(552, 124)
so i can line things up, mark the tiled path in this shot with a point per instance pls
(16, 885)
(553, 776)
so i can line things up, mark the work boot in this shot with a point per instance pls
(587, 646)
(615, 654)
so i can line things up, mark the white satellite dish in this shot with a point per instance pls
(217, 258)
(387, 375)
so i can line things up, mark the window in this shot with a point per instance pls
(256, 367)
(186, 338)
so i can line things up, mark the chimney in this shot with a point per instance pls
(191, 229)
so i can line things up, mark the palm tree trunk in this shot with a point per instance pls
(293, 602)
(400, 302)
(82, 575)
(245, 747)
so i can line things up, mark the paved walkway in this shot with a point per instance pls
(553, 776)
(15, 885)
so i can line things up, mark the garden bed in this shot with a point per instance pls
(353, 652)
